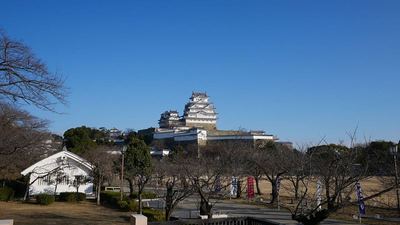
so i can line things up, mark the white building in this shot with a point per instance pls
(198, 125)
(200, 112)
(170, 119)
(60, 173)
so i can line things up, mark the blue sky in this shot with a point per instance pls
(301, 70)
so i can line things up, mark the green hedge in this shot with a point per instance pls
(6, 194)
(72, 196)
(110, 198)
(145, 195)
(153, 215)
(45, 199)
(128, 205)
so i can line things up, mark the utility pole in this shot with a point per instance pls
(121, 188)
(396, 178)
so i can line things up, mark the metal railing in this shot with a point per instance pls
(221, 221)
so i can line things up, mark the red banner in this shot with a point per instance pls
(250, 187)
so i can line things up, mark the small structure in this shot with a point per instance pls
(60, 172)
(170, 119)
(6, 222)
(138, 219)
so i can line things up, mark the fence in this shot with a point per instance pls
(222, 221)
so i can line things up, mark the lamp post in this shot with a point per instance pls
(121, 188)
(394, 150)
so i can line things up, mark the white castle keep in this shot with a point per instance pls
(199, 112)
(199, 125)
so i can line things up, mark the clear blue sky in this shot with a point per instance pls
(300, 70)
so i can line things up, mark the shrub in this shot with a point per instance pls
(133, 205)
(153, 215)
(149, 195)
(72, 196)
(45, 199)
(6, 194)
(110, 198)
(123, 205)
(81, 197)
(145, 195)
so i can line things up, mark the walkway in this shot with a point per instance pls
(187, 209)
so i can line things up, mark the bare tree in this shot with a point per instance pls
(103, 166)
(271, 160)
(59, 176)
(25, 79)
(169, 170)
(297, 170)
(23, 140)
(208, 177)
(336, 168)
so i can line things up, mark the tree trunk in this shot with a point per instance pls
(55, 189)
(312, 219)
(257, 179)
(239, 189)
(168, 202)
(26, 192)
(296, 188)
(77, 192)
(274, 193)
(98, 191)
(205, 208)
(330, 200)
(140, 201)
(28, 184)
(130, 187)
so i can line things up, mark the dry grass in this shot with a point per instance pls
(61, 213)
(369, 186)
(347, 213)
(383, 205)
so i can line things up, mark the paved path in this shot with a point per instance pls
(187, 209)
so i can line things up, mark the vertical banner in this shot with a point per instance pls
(250, 187)
(234, 186)
(361, 205)
(218, 185)
(318, 194)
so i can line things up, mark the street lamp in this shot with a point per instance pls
(394, 150)
(121, 188)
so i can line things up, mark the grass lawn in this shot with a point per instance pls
(61, 213)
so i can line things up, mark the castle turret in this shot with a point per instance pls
(170, 119)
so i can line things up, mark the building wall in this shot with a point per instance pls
(207, 126)
(43, 174)
(42, 185)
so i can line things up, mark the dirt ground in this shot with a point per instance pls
(61, 213)
(369, 186)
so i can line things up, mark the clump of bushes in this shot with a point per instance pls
(6, 194)
(72, 196)
(128, 205)
(110, 198)
(145, 195)
(45, 199)
(153, 215)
